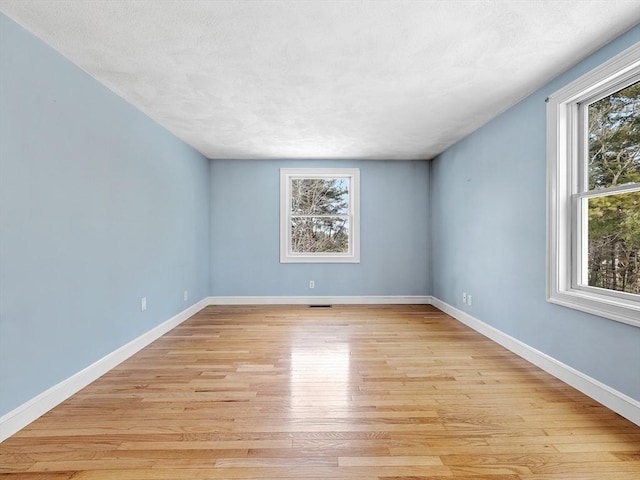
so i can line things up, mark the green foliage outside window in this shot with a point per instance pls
(614, 220)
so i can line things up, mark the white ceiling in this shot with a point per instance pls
(352, 79)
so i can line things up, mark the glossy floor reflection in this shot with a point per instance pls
(319, 374)
(353, 392)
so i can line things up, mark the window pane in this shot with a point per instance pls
(614, 139)
(614, 242)
(320, 196)
(320, 235)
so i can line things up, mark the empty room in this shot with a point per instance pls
(341, 239)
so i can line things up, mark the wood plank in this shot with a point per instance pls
(370, 392)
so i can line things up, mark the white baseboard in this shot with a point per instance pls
(31, 410)
(607, 396)
(335, 300)
(26, 413)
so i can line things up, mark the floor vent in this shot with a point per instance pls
(319, 306)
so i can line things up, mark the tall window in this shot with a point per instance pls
(319, 215)
(609, 201)
(594, 191)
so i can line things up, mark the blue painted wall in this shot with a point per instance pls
(99, 206)
(488, 199)
(245, 235)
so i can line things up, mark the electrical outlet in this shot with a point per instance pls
(312, 284)
(185, 295)
(464, 297)
(469, 299)
(143, 304)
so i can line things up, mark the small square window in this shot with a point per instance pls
(319, 215)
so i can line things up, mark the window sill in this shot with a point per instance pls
(619, 309)
(319, 258)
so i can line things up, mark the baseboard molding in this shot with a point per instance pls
(607, 396)
(26, 413)
(329, 300)
(31, 410)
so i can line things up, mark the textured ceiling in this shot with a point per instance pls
(384, 79)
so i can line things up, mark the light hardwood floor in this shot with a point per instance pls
(350, 392)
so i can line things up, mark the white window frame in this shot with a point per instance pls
(286, 177)
(566, 192)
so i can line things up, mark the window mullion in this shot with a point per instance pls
(582, 265)
(578, 158)
(615, 190)
(581, 160)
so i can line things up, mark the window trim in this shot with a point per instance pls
(563, 181)
(286, 176)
